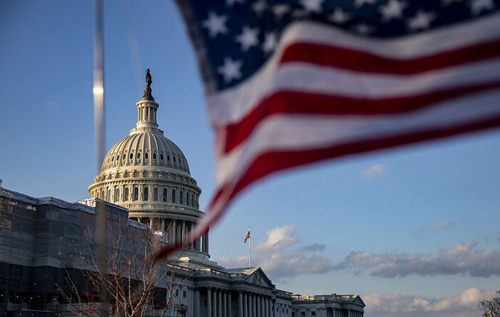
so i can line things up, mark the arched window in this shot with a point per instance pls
(145, 194)
(155, 194)
(109, 195)
(180, 197)
(146, 155)
(154, 156)
(164, 194)
(173, 195)
(117, 194)
(136, 194)
(131, 155)
(125, 194)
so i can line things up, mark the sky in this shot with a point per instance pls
(414, 230)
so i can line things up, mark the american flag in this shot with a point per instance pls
(247, 236)
(294, 82)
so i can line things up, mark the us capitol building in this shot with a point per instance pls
(145, 177)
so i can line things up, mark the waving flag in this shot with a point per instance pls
(247, 236)
(295, 82)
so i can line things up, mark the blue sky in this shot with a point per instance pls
(413, 230)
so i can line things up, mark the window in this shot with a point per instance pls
(138, 155)
(161, 156)
(180, 197)
(124, 157)
(125, 194)
(155, 194)
(136, 193)
(131, 155)
(313, 313)
(117, 194)
(145, 194)
(146, 155)
(154, 156)
(183, 293)
(175, 160)
(173, 195)
(303, 313)
(168, 158)
(164, 194)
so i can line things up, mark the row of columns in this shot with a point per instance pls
(254, 305)
(176, 230)
(219, 304)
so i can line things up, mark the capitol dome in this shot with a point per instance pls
(149, 175)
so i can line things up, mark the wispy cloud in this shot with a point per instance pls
(438, 226)
(462, 258)
(281, 255)
(373, 171)
(390, 305)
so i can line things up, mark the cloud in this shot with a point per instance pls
(391, 305)
(438, 226)
(462, 258)
(278, 238)
(282, 256)
(375, 170)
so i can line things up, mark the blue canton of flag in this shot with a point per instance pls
(290, 83)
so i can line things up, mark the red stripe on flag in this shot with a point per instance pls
(270, 162)
(291, 102)
(361, 61)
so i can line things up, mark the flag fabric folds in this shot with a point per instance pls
(290, 83)
(247, 236)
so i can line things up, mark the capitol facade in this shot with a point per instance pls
(145, 180)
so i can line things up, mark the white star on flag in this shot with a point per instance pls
(312, 5)
(393, 10)
(339, 16)
(364, 29)
(216, 24)
(421, 20)
(248, 38)
(230, 70)
(477, 6)
(270, 42)
(446, 3)
(232, 2)
(259, 7)
(279, 10)
(359, 3)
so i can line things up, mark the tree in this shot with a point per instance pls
(134, 285)
(491, 306)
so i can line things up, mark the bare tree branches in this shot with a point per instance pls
(491, 307)
(135, 284)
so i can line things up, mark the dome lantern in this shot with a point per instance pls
(147, 107)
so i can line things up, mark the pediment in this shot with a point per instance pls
(258, 277)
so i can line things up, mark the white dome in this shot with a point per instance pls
(148, 148)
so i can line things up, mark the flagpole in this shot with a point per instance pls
(98, 92)
(249, 250)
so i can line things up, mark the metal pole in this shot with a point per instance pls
(98, 92)
(249, 249)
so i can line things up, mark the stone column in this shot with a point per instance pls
(183, 234)
(258, 304)
(215, 302)
(196, 311)
(224, 312)
(209, 302)
(219, 303)
(173, 225)
(229, 305)
(240, 304)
